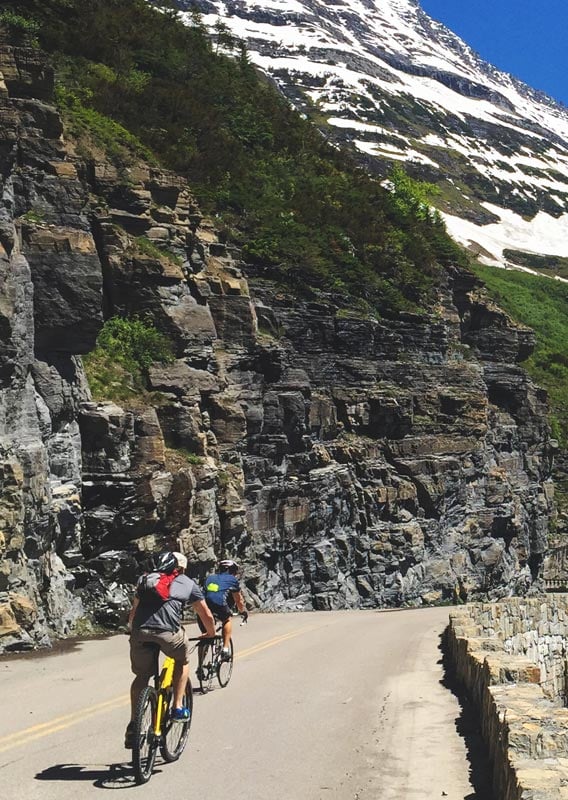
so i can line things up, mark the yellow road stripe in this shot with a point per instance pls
(68, 720)
(24, 737)
(64, 719)
(271, 642)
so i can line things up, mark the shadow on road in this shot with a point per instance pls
(110, 776)
(467, 726)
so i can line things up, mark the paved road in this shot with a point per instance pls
(322, 706)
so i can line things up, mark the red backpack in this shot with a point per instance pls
(157, 584)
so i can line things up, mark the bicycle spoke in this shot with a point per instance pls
(175, 734)
(145, 743)
(207, 669)
(225, 665)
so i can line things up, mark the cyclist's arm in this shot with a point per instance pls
(135, 604)
(239, 601)
(204, 613)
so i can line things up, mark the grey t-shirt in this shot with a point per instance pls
(165, 615)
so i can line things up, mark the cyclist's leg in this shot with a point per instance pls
(176, 646)
(227, 631)
(223, 614)
(143, 664)
(180, 679)
(201, 649)
(136, 688)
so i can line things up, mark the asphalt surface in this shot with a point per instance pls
(321, 706)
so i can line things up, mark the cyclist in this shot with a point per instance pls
(155, 619)
(218, 588)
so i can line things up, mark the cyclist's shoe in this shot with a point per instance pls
(225, 654)
(129, 736)
(181, 715)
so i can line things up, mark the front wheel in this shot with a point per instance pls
(175, 734)
(225, 667)
(206, 669)
(145, 744)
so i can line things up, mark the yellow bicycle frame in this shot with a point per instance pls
(165, 681)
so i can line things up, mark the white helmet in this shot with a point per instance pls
(181, 560)
(228, 565)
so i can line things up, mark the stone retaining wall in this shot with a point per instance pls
(510, 658)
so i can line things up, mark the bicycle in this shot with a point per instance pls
(211, 660)
(153, 726)
(212, 663)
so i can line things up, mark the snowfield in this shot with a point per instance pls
(364, 64)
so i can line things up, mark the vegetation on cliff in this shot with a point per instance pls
(126, 348)
(540, 303)
(134, 81)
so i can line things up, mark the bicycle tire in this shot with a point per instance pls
(145, 744)
(225, 666)
(207, 671)
(175, 734)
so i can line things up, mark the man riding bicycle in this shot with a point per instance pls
(218, 588)
(155, 619)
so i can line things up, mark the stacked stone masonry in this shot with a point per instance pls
(510, 657)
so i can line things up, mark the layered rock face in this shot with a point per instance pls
(346, 462)
(50, 311)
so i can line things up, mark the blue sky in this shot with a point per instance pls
(527, 39)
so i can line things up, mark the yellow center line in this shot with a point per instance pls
(271, 642)
(30, 734)
(68, 720)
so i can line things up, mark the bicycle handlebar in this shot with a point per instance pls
(205, 639)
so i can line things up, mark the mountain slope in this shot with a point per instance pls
(395, 85)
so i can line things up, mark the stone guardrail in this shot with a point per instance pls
(510, 657)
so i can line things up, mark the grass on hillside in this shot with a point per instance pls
(542, 304)
(134, 81)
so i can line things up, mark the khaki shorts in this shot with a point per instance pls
(144, 644)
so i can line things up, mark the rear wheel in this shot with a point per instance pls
(145, 744)
(225, 666)
(206, 670)
(175, 734)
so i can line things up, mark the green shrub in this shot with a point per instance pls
(134, 343)
(126, 348)
(35, 216)
(23, 29)
(541, 304)
(144, 245)
(95, 130)
(193, 458)
(187, 455)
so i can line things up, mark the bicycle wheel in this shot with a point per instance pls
(174, 734)
(206, 672)
(145, 744)
(225, 666)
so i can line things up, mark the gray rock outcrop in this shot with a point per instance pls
(346, 461)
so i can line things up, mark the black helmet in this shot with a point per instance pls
(165, 562)
(228, 565)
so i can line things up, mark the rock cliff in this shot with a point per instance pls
(346, 461)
